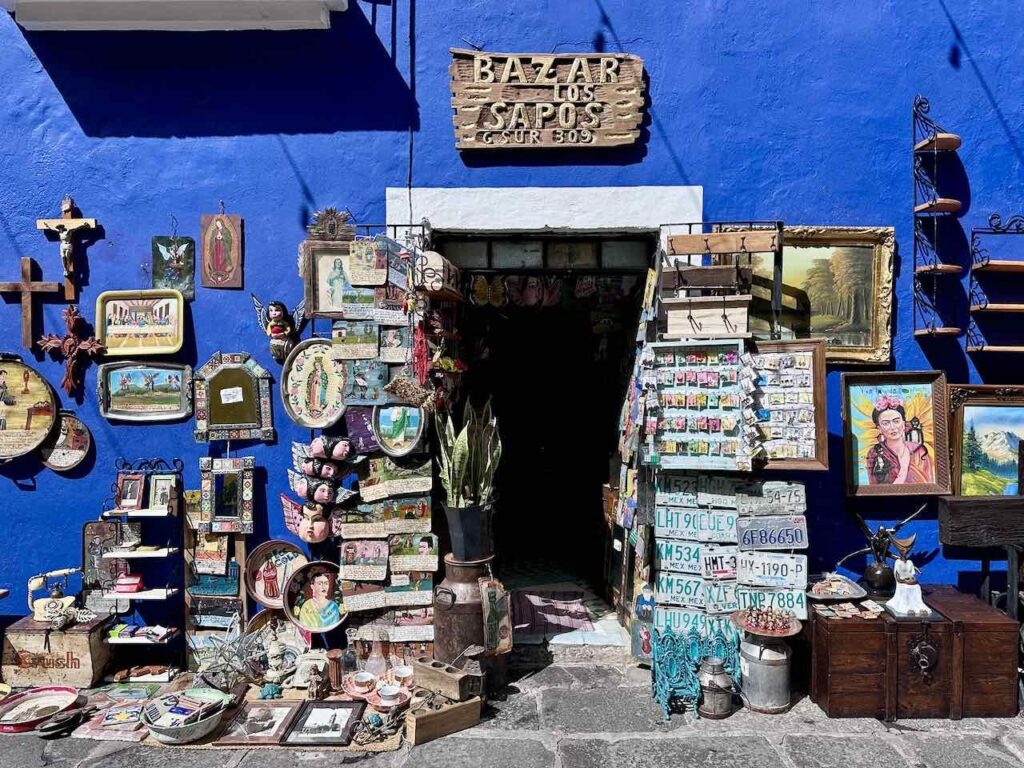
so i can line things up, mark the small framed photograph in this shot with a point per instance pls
(260, 722)
(894, 425)
(130, 487)
(161, 490)
(325, 723)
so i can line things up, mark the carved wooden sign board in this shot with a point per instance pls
(513, 101)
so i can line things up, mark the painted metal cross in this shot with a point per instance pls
(27, 288)
(75, 349)
(67, 228)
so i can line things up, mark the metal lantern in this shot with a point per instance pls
(716, 688)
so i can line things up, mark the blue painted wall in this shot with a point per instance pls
(797, 111)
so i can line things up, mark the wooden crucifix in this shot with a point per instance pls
(68, 227)
(27, 288)
(74, 347)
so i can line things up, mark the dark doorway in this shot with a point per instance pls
(554, 358)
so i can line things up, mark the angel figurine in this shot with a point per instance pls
(277, 323)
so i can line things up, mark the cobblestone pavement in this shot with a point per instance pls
(586, 716)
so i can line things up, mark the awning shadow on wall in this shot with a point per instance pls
(164, 84)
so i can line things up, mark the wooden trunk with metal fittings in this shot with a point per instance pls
(459, 617)
(35, 654)
(959, 662)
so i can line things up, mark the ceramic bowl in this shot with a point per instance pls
(364, 681)
(389, 695)
(404, 676)
(184, 734)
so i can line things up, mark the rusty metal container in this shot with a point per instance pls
(458, 612)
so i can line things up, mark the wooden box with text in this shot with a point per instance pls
(34, 655)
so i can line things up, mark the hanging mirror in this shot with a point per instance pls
(232, 399)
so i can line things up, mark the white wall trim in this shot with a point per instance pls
(550, 209)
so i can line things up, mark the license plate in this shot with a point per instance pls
(717, 491)
(771, 569)
(677, 556)
(772, 532)
(684, 620)
(708, 525)
(679, 589)
(718, 562)
(772, 497)
(676, 489)
(720, 597)
(794, 600)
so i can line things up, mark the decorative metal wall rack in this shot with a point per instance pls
(982, 266)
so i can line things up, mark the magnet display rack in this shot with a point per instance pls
(167, 554)
(983, 265)
(931, 142)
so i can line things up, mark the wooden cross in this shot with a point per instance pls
(26, 287)
(67, 228)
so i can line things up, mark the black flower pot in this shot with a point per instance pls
(470, 530)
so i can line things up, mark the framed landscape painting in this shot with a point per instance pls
(837, 285)
(987, 430)
(895, 433)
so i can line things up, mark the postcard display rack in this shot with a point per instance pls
(708, 543)
(146, 505)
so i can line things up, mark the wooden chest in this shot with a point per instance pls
(960, 663)
(35, 655)
(984, 655)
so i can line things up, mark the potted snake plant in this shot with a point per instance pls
(468, 459)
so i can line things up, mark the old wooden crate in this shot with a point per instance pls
(984, 655)
(848, 666)
(707, 317)
(422, 726)
(35, 655)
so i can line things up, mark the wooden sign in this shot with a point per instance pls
(772, 532)
(794, 600)
(771, 569)
(512, 101)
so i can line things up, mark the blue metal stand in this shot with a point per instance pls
(676, 658)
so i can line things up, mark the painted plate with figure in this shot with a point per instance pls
(313, 385)
(267, 570)
(66, 447)
(398, 428)
(312, 597)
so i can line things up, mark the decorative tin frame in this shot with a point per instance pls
(417, 443)
(961, 395)
(107, 297)
(303, 420)
(209, 468)
(104, 392)
(941, 452)
(261, 428)
(308, 250)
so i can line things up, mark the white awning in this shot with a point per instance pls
(172, 15)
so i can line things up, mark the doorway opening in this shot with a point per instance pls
(548, 332)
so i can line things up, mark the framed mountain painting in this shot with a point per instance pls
(987, 431)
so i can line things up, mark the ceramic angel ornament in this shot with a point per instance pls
(276, 321)
(907, 601)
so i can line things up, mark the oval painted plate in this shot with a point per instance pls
(312, 597)
(267, 570)
(398, 429)
(28, 409)
(68, 445)
(313, 385)
(25, 711)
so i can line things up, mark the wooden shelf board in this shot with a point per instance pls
(939, 269)
(939, 331)
(997, 308)
(130, 513)
(996, 348)
(939, 142)
(940, 205)
(135, 554)
(141, 640)
(146, 594)
(999, 265)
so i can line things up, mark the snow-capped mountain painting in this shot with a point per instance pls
(990, 444)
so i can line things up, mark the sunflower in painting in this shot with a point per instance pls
(894, 433)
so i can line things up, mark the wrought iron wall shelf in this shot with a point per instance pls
(930, 141)
(981, 265)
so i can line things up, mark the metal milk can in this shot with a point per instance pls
(716, 688)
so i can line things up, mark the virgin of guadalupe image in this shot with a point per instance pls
(319, 610)
(316, 388)
(899, 456)
(220, 251)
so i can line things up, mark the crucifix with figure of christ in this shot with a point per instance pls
(27, 288)
(68, 228)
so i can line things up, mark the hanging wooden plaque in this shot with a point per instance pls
(523, 100)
